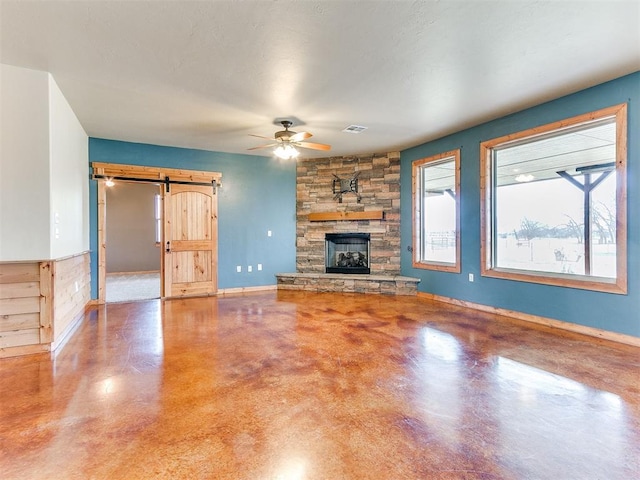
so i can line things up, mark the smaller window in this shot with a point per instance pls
(436, 210)
(158, 216)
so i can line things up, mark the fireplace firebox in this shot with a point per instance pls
(347, 253)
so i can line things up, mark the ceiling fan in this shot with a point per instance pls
(286, 142)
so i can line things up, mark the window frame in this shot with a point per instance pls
(417, 213)
(615, 285)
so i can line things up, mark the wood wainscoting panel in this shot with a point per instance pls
(40, 302)
(18, 273)
(71, 292)
(19, 305)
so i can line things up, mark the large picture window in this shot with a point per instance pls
(554, 203)
(436, 226)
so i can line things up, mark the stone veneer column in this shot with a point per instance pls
(379, 188)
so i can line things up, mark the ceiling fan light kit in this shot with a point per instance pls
(286, 142)
(286, 152)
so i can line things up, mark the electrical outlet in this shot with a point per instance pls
(239, 268)
(471, 277)
(249, 269)
(268, 233)
(259, 266)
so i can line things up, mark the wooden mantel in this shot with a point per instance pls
(329, 216)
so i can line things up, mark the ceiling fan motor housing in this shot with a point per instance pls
(287, 140)
(285, 134)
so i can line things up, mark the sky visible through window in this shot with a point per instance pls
(440, 229)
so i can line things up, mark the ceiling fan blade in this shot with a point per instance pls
(300, 136)
(260, 136)
(314, 146)
(263, 146)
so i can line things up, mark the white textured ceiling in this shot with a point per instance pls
(206, 74)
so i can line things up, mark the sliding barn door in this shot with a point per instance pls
(190, 241)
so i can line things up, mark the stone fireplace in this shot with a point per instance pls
(347, 253)
(376, 214)
(373, 212)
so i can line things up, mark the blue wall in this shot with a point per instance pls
(257, 194)
(617, 313)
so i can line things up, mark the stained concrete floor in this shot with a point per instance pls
(295, 385)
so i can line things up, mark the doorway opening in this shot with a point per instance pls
(134, 236)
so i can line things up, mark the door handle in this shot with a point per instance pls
(168, 249)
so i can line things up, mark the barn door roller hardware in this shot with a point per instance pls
(167, 181)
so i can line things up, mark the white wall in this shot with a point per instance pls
(43, 170)
(24, 164)
(69, 172)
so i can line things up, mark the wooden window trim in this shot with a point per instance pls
(617, 285)
(416, 206)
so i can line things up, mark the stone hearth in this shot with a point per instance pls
(339, 282)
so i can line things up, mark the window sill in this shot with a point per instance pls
(597, 284)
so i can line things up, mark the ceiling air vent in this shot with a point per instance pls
(354, 129)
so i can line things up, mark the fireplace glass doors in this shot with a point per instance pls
(347, 253)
